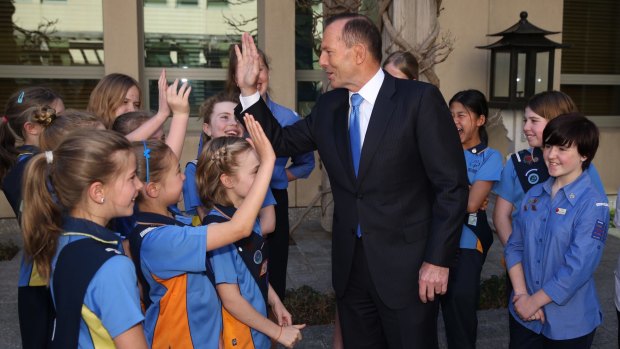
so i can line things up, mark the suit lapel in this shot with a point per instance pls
(379, 119)
(341, 133)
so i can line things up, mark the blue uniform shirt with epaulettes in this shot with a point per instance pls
(559, 242)
(483, 164)
(525, 169)
(111, 304)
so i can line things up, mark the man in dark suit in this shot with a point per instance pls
(399, 182)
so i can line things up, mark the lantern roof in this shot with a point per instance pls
(523, 34)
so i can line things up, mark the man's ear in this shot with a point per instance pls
(152, 190)
(360, 53)
(226, 180)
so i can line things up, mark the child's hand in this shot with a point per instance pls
(290, 335)
(259, 139)
(525, 307)
(282, 315)
(162, 86)
(178, 100)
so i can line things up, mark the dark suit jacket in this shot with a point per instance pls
(411, 192)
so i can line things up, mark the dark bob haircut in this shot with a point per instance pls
(573, 128)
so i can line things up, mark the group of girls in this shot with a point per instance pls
(78, 288)
(551, 215)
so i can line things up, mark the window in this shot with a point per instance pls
(57, 46)
(591, 66)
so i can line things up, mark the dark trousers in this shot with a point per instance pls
(367, 322)
(278, 244)
(522, 338)
(460, 304)
(36, 315)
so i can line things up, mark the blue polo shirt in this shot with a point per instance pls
(483, 164)
(302, 164)
(112, 301)
(185, 309)
(559, 242)
(229, 268)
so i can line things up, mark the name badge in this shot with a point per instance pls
(560, 210)
(472, 219)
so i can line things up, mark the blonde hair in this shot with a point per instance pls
(56, 182)
(219, 156)
(108, 95)
(66, 122)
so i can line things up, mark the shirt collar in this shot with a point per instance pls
(478, 149)
(149, 218)
(573, 191)
(86, 227)
(370, 90)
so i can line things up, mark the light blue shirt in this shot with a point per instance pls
(559, 242)
(483, 164)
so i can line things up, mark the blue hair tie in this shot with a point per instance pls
(20, 99)
(147, 156)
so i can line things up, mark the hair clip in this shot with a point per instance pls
(147, 156)
(49, 157)
(20, 99)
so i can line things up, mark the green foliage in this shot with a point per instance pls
(309, 306)
(493, 293)
(8, 250)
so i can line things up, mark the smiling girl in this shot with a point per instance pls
(557, 242)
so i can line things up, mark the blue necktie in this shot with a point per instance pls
(355, 139)
(354, 130)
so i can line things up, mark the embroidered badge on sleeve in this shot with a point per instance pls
(600, 231)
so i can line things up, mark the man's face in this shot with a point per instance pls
(337, 60)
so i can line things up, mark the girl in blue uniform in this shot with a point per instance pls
(27, 113)
(526, 168)
(70, 195)
(226, 172)
(183, 309)
(218, 115)
(484, 165)
(557, 242)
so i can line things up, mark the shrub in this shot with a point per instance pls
(493, 293)
(309, 306)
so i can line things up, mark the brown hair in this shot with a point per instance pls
(405, 62)
(231, 84)
(66, 122)
(550, 104)
(108, 95)
(158, 153)
(16, 116)
(218, 157)
(206, 108)
(359, 29)
(54, 186)
(129, 122)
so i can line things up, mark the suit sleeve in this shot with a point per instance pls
(287, 141)
(444, 164)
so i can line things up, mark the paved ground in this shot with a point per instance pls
(310, 264)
